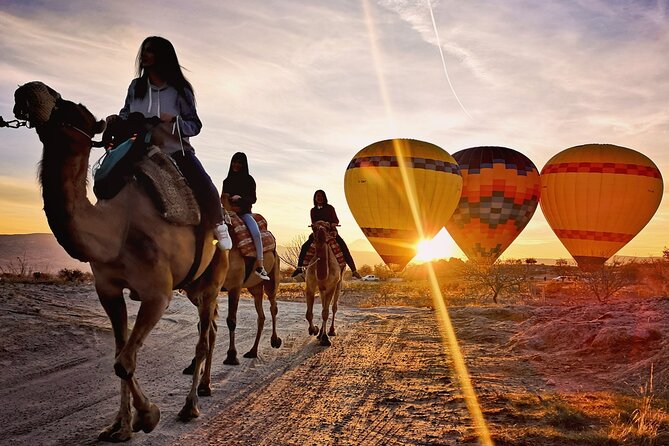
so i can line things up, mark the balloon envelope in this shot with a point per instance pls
(500, 192)
(597, 197)
(400, 190)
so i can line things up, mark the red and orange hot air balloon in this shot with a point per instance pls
(400, 190)
(500, 192)
(597, 197)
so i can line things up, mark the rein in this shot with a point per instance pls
(13, 124)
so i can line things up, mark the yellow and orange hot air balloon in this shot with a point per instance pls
(399, 191)
(597, 197)
(500, 193)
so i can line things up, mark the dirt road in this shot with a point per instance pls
(385, 380)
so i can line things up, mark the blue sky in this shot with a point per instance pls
(296, 85)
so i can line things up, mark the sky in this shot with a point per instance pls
(302, 86)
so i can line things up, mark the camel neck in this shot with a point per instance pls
(81, 228)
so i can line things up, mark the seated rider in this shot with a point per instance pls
(241, 189)
(162, 93)
(322, 211)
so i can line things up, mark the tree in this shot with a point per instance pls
(562, 266)
(530, 261)
(365, 270)
(609, 279)
(292, 252)
(495, 278)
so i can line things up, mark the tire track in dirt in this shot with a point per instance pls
(385, 380)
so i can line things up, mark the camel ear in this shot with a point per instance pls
(99, 126)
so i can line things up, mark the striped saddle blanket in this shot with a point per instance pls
(311, 253)
(241, 237)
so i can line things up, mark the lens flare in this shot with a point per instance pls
(445, 326)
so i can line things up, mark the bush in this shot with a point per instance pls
(72, 275)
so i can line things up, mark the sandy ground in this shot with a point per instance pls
(386, 380)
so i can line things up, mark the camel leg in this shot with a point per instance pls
(203, 351)
(151, 310)
(270, 290)
(335, 299)
(114, 305)
(233, 304)
(326, 297)
(313, 330)
(257, 293)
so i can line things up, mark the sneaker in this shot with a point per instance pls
(260, 272)
(356, 274)
(223, 236)
(297, 272)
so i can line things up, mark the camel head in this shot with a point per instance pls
(45, 110)
(321, 230)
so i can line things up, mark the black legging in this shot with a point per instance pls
(342, 246)
(203, 188)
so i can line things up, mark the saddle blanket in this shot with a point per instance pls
(311, 253)
(241, 237)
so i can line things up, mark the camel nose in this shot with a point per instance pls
(20, 113)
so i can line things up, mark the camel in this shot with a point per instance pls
(324, 275)
(128, 245)
(235, 282)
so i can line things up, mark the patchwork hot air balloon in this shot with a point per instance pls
(597, 197)
(400, 190)
(500, 192)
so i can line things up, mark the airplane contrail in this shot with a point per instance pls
(443, 60)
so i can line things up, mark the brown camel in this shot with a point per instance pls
(324, 275)
(235, 281)
(128, 245)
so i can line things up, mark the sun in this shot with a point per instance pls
(441, 246)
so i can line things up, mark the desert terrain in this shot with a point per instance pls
(544, 373)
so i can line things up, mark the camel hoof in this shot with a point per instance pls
(116, 433)
(332, 332)
(251, 354)
(231, 360)
(190, 369)
(146, 421)
(203, 390)
(121, 371)
(189, 411)
(313, 331)
(276, 342)
(325, 341)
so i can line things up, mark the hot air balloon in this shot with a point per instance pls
(597, 197)
(500, 192)
(400, 190)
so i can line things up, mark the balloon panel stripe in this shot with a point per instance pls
(389, 233)
(414, 162)
(594, 235)
(617, 168)
(521, 169)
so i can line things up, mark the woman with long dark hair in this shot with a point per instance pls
(162, 94)
(241, 189)
(322, 211)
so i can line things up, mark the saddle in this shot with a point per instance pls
(241, 237)
(311, 253)
(155, 171)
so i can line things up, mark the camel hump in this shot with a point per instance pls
(241, 237)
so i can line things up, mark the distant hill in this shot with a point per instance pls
(38, 252)
(41, 252)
